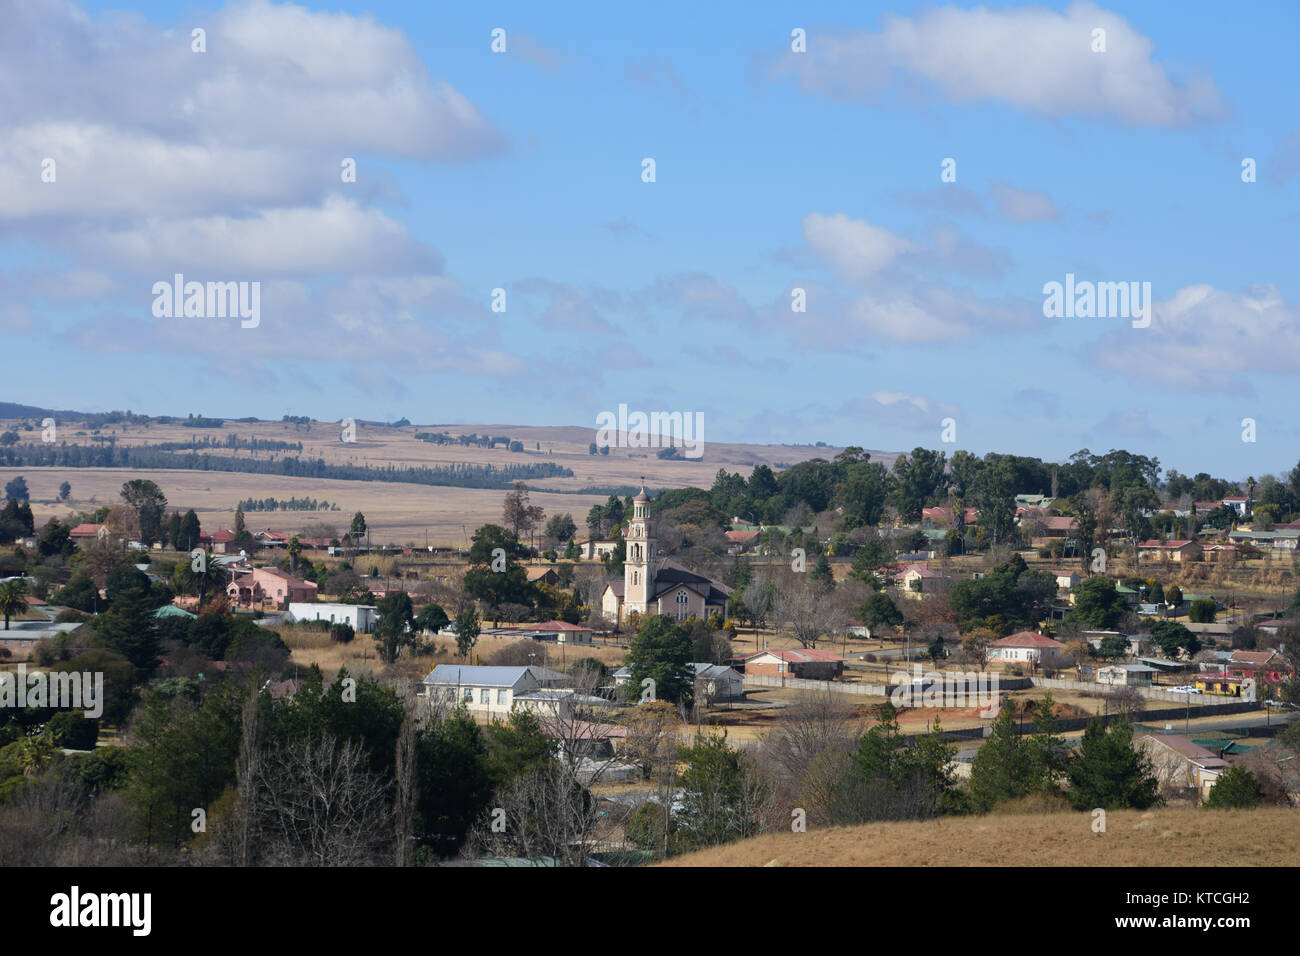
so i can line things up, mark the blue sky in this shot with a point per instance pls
(775, 170)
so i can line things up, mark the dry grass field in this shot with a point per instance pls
(1162, 837)
(396, 512)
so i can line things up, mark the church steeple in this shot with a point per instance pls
(637, 586)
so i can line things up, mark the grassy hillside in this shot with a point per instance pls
(1166, 837)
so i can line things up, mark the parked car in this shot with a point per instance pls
(1187, 689)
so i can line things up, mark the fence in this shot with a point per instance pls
(803, 683)
(1152, 693)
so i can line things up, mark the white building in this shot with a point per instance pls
(1027, 647)
(491, 691)
(360, 617)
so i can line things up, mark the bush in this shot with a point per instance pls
(1236, 788)
(1201, 612)
(342, 633)
(72, 730)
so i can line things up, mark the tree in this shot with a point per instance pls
(16, 489)
(1202, 611)
(1107, 772)
(723, 797)
(357, 530)
(1097, 603)
(148, 504)
(1173, 637)
(431, 619)
(12, 595)
(1008, 598)
(1236, 788)
(561, 527)
(661, 652)
(651, 741)
(802, 608)
(65, 491)
(880, 612)
(1009, 765)
(467, 628)
(517, 515)
(393, 628)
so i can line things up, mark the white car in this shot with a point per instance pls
(1187, 689)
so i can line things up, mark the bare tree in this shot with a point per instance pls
(320, 804)
(805, 613)
(653, 736)
(405, 787)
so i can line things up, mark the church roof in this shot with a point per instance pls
(641, 495)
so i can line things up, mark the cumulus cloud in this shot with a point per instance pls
(856, 248)
(1032, 58)
(1202, 337)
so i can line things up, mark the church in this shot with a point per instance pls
(653, 585)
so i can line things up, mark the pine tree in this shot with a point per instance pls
(1108, 773)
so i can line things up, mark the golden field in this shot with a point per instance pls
(1162, 837)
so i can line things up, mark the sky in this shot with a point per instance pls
(779, 175)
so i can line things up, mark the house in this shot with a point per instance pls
(271, 539)
(1182, 764)
(269, 585)
(1027, 647)
(1222, 553)
(84, 533)
(653, 585)
(806, 662)
(562, 632)
(542, 575)
(1136, 642)
(1283, 539)
(1125, 675)
(596, 548)
(223, 541)
(1223, 684)
(1175, 550)
(738, 542)
(1067, 580)
(718, 682)
(360, 617)
(487, 691)
(1266, 666)
(1238, 504)
(914, 576)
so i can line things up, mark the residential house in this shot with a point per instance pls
(1182, 764)
(542, 575)
(1176, 550)
(1027, 647)
(718, 682)
(84, 533)
(488, 691)
(805, 662)
(741, 542)
(269, 586)
(1125, 675)
(595, 548)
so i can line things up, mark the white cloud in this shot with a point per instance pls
(855, 247)
(1032, 58)
(1203, 337)
(1022, 205)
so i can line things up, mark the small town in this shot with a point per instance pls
(467, 442)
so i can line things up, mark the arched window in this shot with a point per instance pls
(682, 600)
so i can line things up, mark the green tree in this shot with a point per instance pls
(662, 652)
(1236, 788)
(467, 628)
(1107, 771)
(1202, 611)
(393, 628)
(721, 795)
(879, 612)
(149, 504)
(1097, 603)
(431, 619)
(12, 599)
(65, 491)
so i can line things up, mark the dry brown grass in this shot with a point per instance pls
(1166, 837)
(399, 513)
